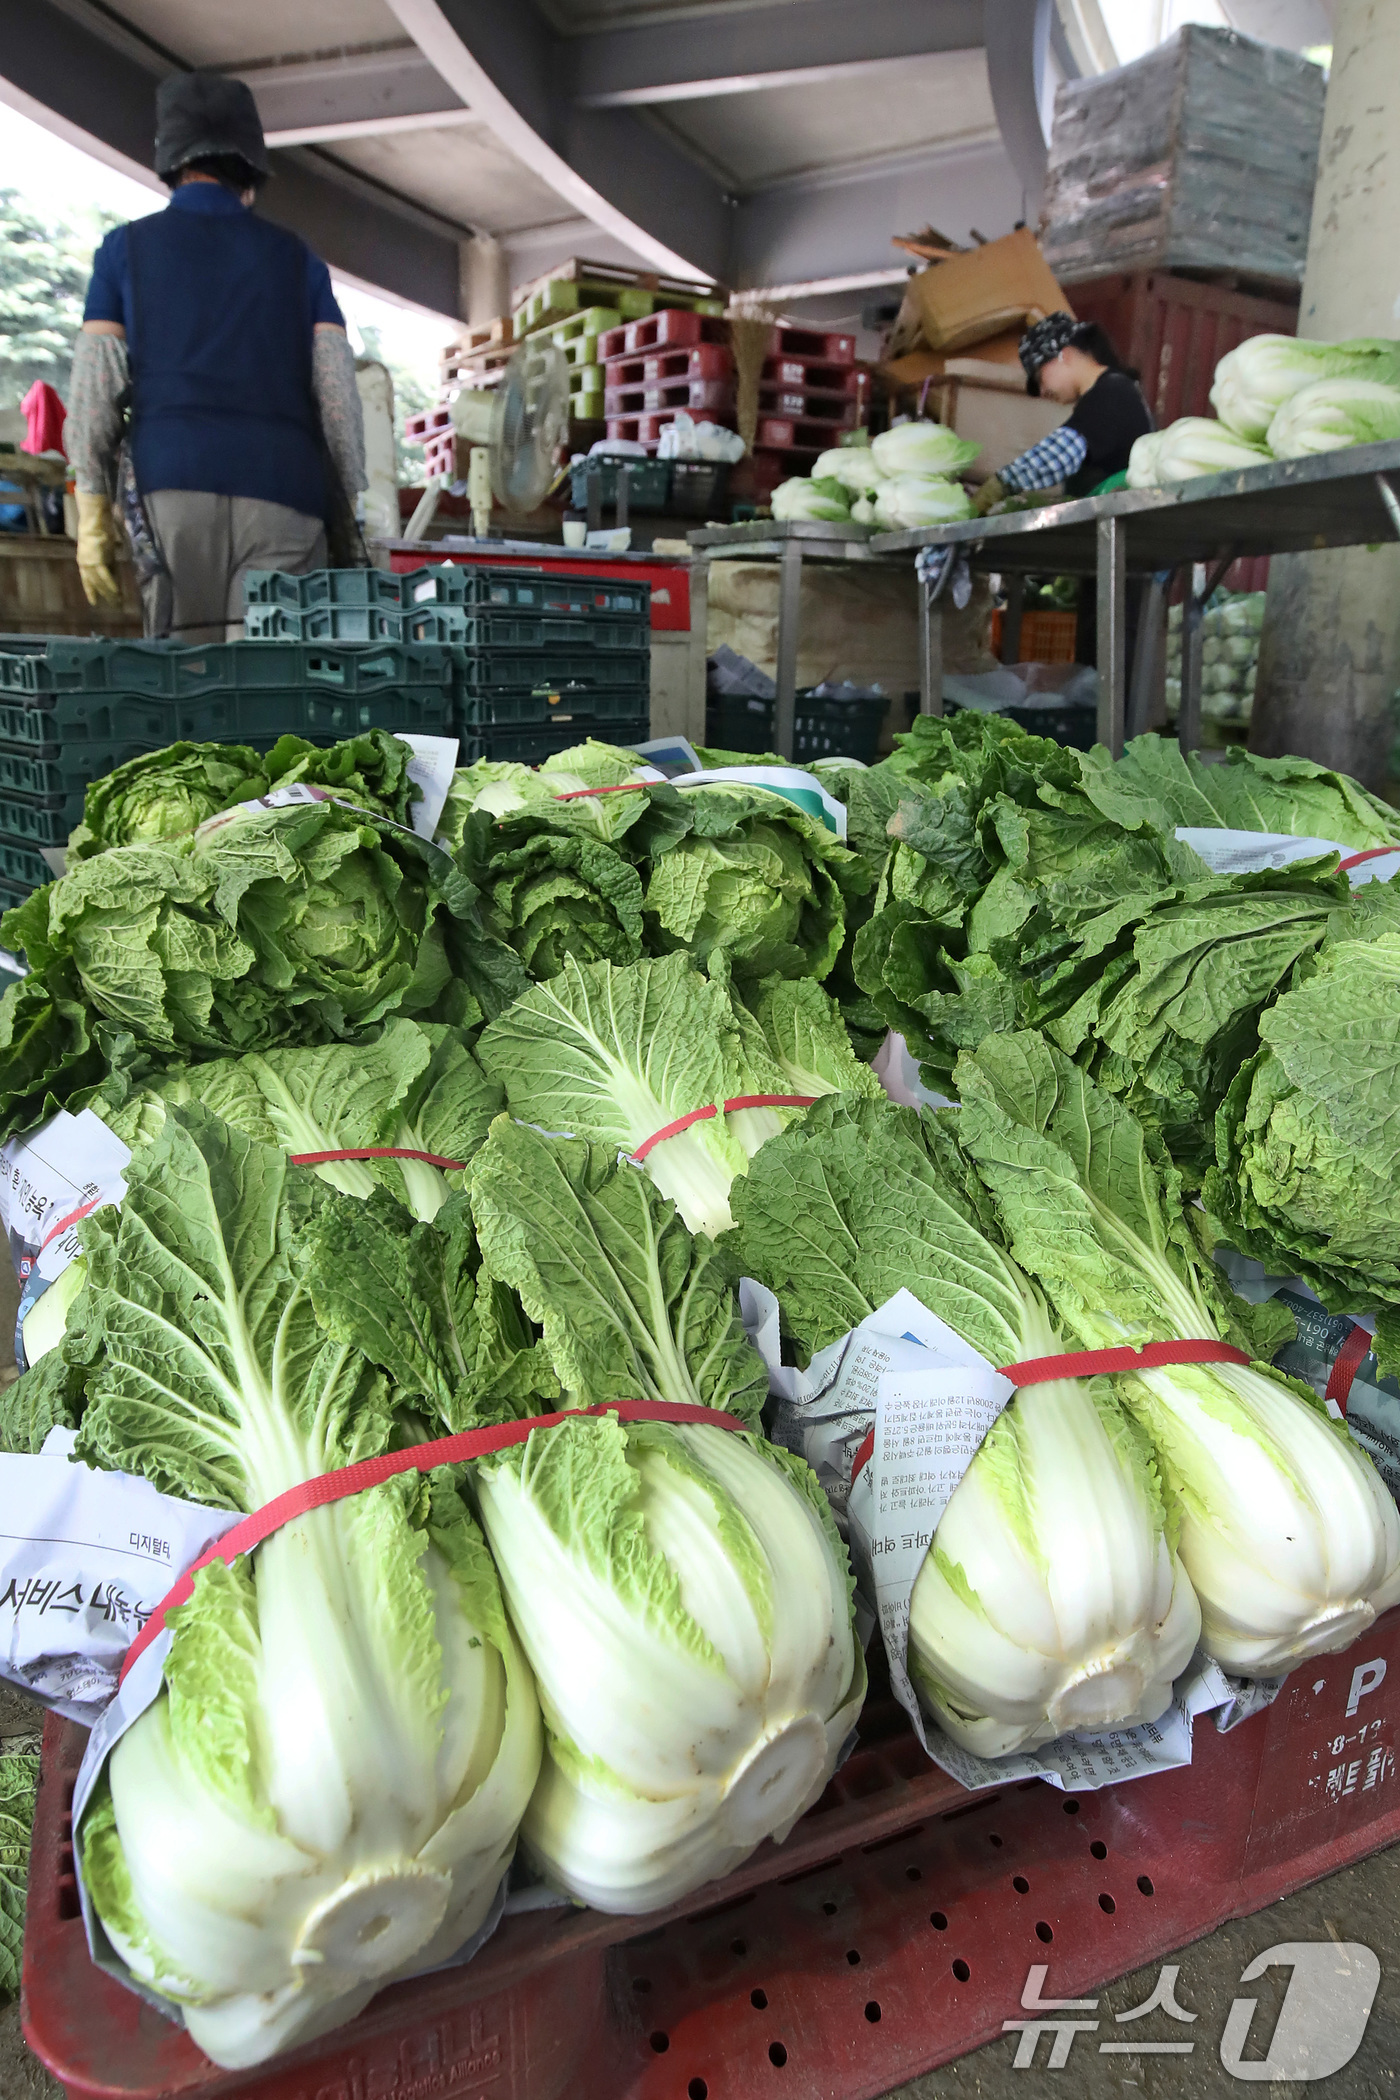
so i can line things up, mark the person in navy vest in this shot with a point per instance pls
(213, 389)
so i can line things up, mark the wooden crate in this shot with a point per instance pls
(40, 592)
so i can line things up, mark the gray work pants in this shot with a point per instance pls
(209, 543)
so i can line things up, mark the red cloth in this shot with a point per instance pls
(46, 416)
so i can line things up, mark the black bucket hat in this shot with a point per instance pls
(1043, 340)
(201, 116)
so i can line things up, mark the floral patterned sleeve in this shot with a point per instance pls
(338, 399)
(93, 431)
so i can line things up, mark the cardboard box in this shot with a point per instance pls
(988, 404)
(900, 374)
(987, 292)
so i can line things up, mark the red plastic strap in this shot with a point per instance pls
(1354, 860)
(84, 1210)
(319, 1159)
(1350, 1357)
(620, 787)
(1083, 1363)
(703, 1115)
(370, 1472)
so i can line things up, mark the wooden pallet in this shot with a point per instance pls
(476, 367)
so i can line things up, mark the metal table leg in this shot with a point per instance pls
(1011, 619)
(1112, 623)
(789, 609)
(930, 649)
(1147, 656)
(1188, 721)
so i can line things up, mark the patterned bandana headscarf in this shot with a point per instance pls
(1046, 339)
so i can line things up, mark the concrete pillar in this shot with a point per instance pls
(1330, 656)
(485, 280)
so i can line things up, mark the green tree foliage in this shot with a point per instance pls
(45, 262)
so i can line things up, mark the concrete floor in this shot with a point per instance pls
(1362, 1904)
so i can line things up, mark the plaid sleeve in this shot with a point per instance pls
(1050, 462)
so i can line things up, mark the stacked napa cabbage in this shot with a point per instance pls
(906, 477)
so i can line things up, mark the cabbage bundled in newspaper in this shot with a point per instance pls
(1288, 1533)
(325, 1793)
(1052, 1597)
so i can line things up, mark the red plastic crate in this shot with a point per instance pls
(663, 367)
(893, 1932)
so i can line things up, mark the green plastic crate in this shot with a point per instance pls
(821, 728)
(161, 670)
(322, 587)
(23, 865)
(353, 623)
(526, 590)
(46, 820)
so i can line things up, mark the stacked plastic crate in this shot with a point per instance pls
(537, 662)
(71, 710)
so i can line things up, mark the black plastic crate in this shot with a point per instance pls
(1074, 727)
(551, 630)
(821, 728)
(324, 717)
(525, 590)
(550, 669)
(355, 623)
(699, 488)
(529, 747)
(323, 587)
(592, 708)
(161, 670)
(648, 482)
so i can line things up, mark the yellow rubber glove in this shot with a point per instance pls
(97, 550)
(992, 491)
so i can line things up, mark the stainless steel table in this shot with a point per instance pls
(790, 544)
(1294, 506)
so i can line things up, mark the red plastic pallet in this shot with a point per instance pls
(674, 328)
(811, 372)
(804, 433)
(707, 396)
(427, 422)
(705, 361)
(893, 1932)
(814, 343)
(806, 403)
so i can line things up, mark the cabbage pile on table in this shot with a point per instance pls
(907, 476)
(1279, 397)
(622, 1653)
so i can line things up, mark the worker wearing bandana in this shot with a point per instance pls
(1073, 362)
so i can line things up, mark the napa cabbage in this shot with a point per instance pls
(1331, 414)
(1052, 1597)
(1289, 1535)
(325, 1793)
(1254, 380)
